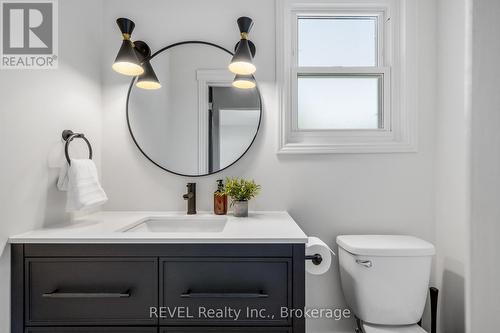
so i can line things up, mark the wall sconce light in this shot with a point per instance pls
(244, 81)
(242, 62)
(147, 80)
(133, 58)
(127, 62)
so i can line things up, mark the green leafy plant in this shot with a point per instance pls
(239, 189)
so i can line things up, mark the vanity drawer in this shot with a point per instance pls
(90, 291)
(224, 330)
(257, 288)
(91, 330)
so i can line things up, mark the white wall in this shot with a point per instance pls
(326, 194)
(36, 106)
(485, 158)
(468, 165)
(452, 162)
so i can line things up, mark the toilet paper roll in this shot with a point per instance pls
(317, 246)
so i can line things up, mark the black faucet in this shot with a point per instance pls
(190, 196)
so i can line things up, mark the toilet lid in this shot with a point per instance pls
(385, 245)
(370, 328)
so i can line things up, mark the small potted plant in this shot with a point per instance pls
(240, 191)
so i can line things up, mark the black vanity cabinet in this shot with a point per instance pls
(161, 288)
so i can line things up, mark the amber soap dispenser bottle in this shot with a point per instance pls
(220, 199)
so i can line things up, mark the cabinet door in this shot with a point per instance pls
(90, 291)
(225, 291)
(92, 330)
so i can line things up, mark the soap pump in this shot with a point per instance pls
(220, 199)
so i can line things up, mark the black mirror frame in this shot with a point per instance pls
(132, 84)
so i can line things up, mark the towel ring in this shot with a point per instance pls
(68, 136)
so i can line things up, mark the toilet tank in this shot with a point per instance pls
(385, 278)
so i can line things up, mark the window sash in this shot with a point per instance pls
(347, 72)
(379, 35)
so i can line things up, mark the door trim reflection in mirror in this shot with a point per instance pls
(200, 167)
(207, 78)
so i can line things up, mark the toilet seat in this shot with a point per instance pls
(370, 328)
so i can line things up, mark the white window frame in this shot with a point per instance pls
(397, 132)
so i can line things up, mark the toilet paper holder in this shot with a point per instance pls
(315, 258)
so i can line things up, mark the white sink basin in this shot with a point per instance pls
(179, 224)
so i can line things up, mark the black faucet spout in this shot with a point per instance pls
(190, 196)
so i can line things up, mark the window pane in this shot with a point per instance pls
(329, 102)
(337, 41)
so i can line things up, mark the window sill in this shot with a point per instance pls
(347, 148)
(347, 142)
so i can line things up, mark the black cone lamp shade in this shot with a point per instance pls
(244, 81)
(127, 62)
(147, 80)
(242, 62)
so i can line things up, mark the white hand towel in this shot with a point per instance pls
(81, 182)
(62, 181)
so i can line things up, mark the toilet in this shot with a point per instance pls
(385, 280)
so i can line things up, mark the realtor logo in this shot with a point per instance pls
(29, 34)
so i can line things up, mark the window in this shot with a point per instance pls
(341, 79)
(326, 97)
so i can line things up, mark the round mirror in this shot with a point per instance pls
(197, 123)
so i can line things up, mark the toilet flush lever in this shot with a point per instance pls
(366, 263)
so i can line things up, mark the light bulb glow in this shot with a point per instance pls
(148, 85)
(242, 67)
(127, 68)
(243, 84)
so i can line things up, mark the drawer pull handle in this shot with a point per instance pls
(56, 294)
(190, 294)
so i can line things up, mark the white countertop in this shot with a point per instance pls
(107, 227)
